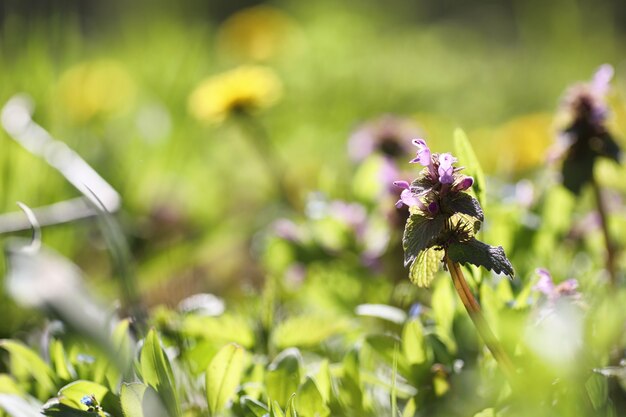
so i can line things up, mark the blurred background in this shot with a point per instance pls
(150, 94)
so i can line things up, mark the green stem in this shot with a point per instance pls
(259, 138)
(475, 313)
(604, 222)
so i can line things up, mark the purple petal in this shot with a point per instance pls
(446, 169)
(419, 142)
(402, 184)
(464, 184)
(567, 287)
(445, 175)
(545, 283)
(600, 83)
(423, 153)
(409, 199)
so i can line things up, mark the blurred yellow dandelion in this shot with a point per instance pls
(521, 143)
(95, 88)
(243, 89)
(257, 33)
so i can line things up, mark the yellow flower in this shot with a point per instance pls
(257, 33)
(521, 143)
(245, 88)
(95, 88)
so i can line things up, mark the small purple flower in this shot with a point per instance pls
(387, 135)
(423, 153)
(463, 184)
(446, 170)
(406, 197)
(433, 207)
(545, 285)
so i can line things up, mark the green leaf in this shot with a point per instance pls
(478, 253)
(577, 170)
(425, 267)
(310, 402)
(597, 390)
(409, 409)
(487, 412)
(64, 410)
(157, 372)
(64, 369)
(283, 375)
(290, 410)
(219, 330)
(413, 342)
(139, 400)
(256, 407)
(608, 148)
(350, 384)
(276, 411)
(462, 203)
(307, 331)
(420, 233)
(223, 376)
(18, 406)
(444, 306)
(26, 362)
(8, 385)
(323, 380)
(72, 393)
(468, 159)
(386, 346)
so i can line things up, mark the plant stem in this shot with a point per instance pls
(604, 222)
(475, 313)
(258, 137)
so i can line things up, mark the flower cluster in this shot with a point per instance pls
(438, 178)
(444, 219)
(552, 291)
(586, 137)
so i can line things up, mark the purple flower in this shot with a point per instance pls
(406, 197)
(423, 153)
(463, 184)
(387, 135)
(545, 285)
(587, 101)
(446, 170)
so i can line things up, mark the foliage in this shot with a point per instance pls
(257, 266)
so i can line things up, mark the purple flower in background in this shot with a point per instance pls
(586, 101)
(446, 170)
(545, 285)
(586, 137)
(387, 135)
